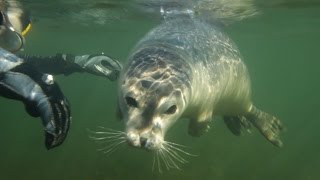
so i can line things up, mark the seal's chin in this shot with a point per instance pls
(148, 141)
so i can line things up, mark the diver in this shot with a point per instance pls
(29, 79)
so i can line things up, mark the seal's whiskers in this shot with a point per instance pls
(156, 162)
(110, 131)
(169, 162)
(111, 147)
(170, 155)
(164, 159)
(106, 138)
(111, 137)
(175, 146)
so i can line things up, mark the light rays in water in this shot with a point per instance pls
(169, 156)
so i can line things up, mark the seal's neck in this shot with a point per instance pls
(204, 92)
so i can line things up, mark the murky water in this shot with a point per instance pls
(280, 45)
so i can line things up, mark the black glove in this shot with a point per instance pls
(42, 97)
(99, 64)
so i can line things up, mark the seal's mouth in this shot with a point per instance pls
(166, 154)
(148, 140)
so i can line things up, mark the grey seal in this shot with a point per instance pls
(187, 68)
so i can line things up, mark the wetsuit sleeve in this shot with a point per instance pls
(40, 94)
(96, 64)
(58, 64)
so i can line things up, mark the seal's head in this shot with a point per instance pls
(152, 96)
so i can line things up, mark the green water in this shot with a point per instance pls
(281, 49)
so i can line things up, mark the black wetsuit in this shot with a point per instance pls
(55, 65)
(26, 80)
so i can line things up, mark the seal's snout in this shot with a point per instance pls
(146, 140)
(133, 139)
(143, 141)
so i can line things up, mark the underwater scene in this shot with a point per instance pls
(278, 41)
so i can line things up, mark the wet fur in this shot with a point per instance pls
(192, 65)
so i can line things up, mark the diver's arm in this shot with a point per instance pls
(40, 94)
(42, 97)
(98, 64)
(58, 64)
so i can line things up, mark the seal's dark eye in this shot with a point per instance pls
(171, 110)
(131, 102)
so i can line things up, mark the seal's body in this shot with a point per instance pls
(187, 68)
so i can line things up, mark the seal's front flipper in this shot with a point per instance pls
(268, 125)
(236, 123)
(199, 126)
(197, 129)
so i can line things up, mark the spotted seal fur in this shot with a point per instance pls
(187, 68)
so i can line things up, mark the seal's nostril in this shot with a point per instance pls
(143, 141)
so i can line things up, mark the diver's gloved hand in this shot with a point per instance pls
(42, 97)
(99, 64)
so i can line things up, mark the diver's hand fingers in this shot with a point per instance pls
(54, 111)
(57, 118)
(101, 65)
(42, 97)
